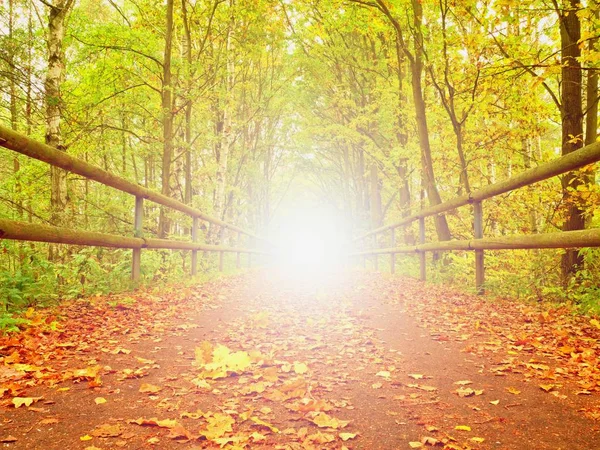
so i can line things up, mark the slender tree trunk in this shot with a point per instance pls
(167, 120)
(376, 213)
(54, 77)
(14, 116)
(591, 107)
(572, 125)
(188, 106)
(227, 135)
(416, 69)
(433, 195)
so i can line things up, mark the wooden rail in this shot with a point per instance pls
(42, 233)
(568, 239)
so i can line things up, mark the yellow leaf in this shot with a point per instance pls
(217, 426)
(87, 437)
(99, 400)
(27, 401)
(463, 382)
(595, 323)
(415, 444)
(462, 428)
(204, 353)
(257, 436)
(376, 385)
(547, 387)
(416, 376)
(147, 388)
(166, 423)
(324, 420)
(514, 391)
(300, 368)
(478, 440)
(347, 436)
(383, 373)
(144, 360)
(495, 402)
(262, 423)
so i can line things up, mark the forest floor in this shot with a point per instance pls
(358, 361)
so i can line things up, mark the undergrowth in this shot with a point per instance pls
(32, 280)
(524, 275)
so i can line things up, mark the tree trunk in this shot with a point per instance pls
(54, 77)
(188, 106)
(572, 125)
(376, 213)
(227, 134)
(167, 120)
(416, 65)
(416, 69)
(591, 107)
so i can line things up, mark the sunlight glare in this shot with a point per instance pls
(311, 245)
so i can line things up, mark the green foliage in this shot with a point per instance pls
(10, 324)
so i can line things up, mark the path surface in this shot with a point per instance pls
(267, 362)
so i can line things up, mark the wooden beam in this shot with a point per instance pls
(24, 231)
(564, 239)
(19, 143)
(575, 160)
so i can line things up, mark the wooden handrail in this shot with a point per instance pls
(563, 239)
(23, 231)
(19, 143)
(575, 160)
(567, 239)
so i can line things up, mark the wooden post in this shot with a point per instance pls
(194, 252)
(478, 233)
(238, 245)
(422, 253)
(393, 255)
(221, 253)
(138, 218)
(375, 256)
(250, 242)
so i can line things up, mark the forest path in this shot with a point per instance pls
(362, 361)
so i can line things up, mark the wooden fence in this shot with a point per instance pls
(566, 239)
(23, 231)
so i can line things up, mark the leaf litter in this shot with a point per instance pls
(275, 377)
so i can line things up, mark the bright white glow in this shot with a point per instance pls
(311, 244)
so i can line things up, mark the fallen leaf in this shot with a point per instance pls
(512, 390)
(99, 400)
(415, 444)
(462, 428)
(324, 420)
(347, 436)
(108, 430)
(27, 401)
(87, 437)
(262, 423)
(300, 368)
(8, 439)
(49, 421)
(147, 388)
